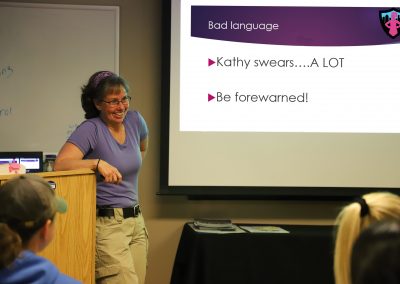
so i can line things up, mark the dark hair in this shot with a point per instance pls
(10, 245)
(376, 254)
(100, 84)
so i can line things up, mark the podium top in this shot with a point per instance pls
(53, 174)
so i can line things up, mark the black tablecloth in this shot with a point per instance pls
(303, 256)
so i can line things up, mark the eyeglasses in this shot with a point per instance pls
(125, 101)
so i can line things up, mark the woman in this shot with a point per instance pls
(112, 141)
(353, 219)
(28, 210)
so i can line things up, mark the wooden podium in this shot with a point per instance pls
(73, 248)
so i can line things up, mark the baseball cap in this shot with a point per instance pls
(27, 201)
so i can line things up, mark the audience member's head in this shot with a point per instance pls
(27, 209)
(375, 257)
(354, 218)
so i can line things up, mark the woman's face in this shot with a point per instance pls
(113, 107)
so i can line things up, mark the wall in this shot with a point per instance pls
(140, 64)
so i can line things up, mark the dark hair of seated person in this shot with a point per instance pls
(376, 254)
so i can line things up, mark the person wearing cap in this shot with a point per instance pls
(353, 219)
(112, 141)
(28, 208)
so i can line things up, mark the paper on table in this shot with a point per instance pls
(235, 229)
(212, 223)
(264, 229)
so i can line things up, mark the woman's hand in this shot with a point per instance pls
(109, 172)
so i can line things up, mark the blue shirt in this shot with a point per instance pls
(33, 269)
(95, 141)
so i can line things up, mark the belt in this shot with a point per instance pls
(127, 212)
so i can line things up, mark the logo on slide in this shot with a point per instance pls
(390, 21)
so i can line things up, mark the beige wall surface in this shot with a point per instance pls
(140, 64)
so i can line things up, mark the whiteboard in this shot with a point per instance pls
(47, 53)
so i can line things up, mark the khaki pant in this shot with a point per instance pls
(121, 249)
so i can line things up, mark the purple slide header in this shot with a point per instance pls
(295, 26)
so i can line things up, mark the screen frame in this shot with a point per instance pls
(230, 192)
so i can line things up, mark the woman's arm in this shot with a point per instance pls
(70, 157)
(143, 147)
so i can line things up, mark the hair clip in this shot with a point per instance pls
(100, 77)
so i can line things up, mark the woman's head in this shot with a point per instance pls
(354, 218)
(27, 204)
(375, 257)
(100, 85)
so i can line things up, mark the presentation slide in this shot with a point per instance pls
(284, 93)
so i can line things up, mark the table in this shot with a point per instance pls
(303, 256)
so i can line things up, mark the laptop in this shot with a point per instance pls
(33, 161)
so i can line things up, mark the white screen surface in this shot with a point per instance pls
(316, 116)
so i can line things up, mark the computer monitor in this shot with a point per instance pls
(33, 161)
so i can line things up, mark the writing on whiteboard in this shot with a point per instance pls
(7, 111)
(6, 71)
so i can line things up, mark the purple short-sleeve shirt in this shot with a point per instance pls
(95, 141)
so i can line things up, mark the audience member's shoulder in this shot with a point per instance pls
(31, 268)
